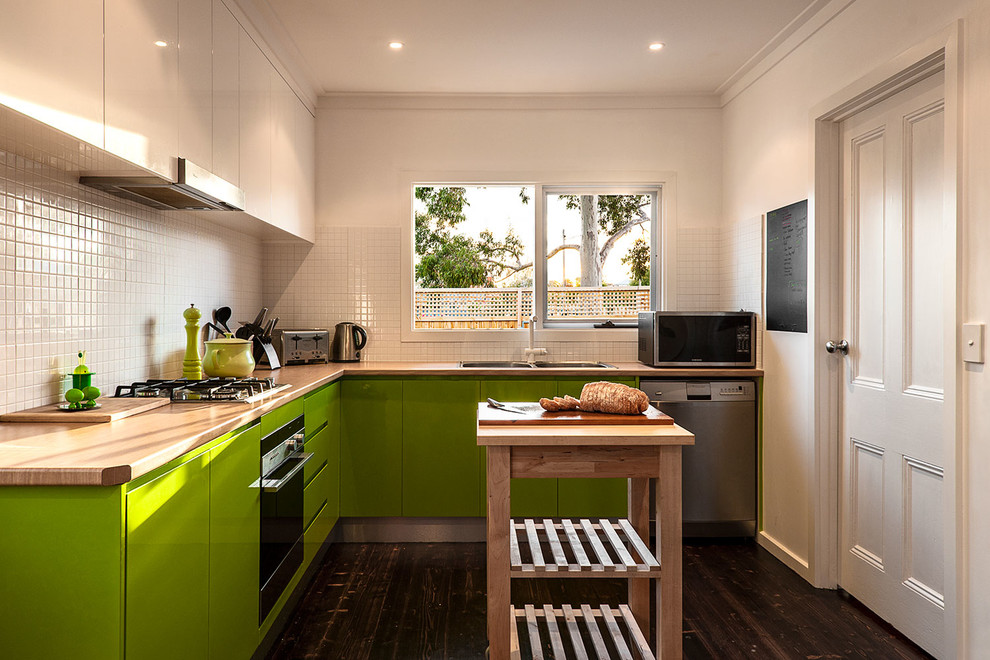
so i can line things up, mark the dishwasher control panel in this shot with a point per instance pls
(706, 390)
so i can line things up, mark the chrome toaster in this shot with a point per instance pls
(302, 346)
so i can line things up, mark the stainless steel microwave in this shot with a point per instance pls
(697, 339)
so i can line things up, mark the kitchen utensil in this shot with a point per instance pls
(259, 320)
(348, 340)
(534, 415)
(501, 406)
(220, 332)
(243, 332)
(222, 316)
(110, 410)
(228, 357)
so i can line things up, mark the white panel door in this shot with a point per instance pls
(892, 546)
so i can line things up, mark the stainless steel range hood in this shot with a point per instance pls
(196, 189)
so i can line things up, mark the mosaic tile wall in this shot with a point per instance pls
(81, 270)
(352, 274)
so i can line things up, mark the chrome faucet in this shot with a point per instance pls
(531, 352)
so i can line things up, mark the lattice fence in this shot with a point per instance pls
(513, 307)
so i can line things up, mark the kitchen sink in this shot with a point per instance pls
(493, 364)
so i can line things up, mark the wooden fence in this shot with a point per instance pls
(513, 307)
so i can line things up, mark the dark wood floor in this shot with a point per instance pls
(427, 600)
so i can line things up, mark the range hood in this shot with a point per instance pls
(197, 189)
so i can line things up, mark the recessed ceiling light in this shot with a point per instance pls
(161, 44)
(655, 46)
(395, 45)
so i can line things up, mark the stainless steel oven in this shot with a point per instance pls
(281, 484)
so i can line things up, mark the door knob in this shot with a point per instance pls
(841, 346)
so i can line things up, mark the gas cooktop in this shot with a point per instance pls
(210, 390)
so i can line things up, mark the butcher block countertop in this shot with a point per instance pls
(109, 454)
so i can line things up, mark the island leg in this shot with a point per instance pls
(639, 518)
(499, 593)
(669, 608)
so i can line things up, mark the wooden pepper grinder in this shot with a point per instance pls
(192, 364)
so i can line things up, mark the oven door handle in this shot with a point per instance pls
(275, 485)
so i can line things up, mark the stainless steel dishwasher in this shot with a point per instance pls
(719, 471)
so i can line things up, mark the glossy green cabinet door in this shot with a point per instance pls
(235, 529)
(600, 498)
(528, 497)
(315, 407)
(371, 447)
(333, 458)
(60, 572)
(168, 565)
(440, 448)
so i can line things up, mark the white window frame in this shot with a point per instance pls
(663, 261)
(540, 280)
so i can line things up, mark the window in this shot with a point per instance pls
(474, 255)
(599, 263)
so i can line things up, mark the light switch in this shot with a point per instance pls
(972, 342)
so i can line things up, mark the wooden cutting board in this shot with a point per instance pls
(110, 410)
(537, 416)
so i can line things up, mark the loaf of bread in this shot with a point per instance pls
(614, 398)
(557, 403)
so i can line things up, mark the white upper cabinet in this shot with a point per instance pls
(142, 82)
(51, 64)
(195, 84)
(255, 128)
(284, 162)
(305, 125)
(153, 80)
(226, 101)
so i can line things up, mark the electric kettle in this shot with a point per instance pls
(348, 340)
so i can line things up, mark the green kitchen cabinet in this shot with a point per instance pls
(276, 419)
(600, 498)
(235, 530)
(528, 497)
(439, 448)
(333, 457)
(316, 406)
(371, 447)
(61, 576)
(319, 446)
(168, 564)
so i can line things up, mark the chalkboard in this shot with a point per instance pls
(787, 268)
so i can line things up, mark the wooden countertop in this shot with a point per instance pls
(108, 454)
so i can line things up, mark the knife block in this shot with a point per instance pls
(265, 354)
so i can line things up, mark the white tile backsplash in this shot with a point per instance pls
(353, 274)
(698, 250)
(81, 270)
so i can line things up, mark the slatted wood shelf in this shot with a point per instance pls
(579, 548)
(608, 632)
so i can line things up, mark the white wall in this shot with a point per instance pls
(81, 270)
(367, 147)
(768, 162)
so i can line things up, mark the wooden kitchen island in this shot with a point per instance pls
(583, 548)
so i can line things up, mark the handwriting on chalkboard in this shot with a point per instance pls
(787, 268)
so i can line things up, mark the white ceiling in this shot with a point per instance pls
(533, 46)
